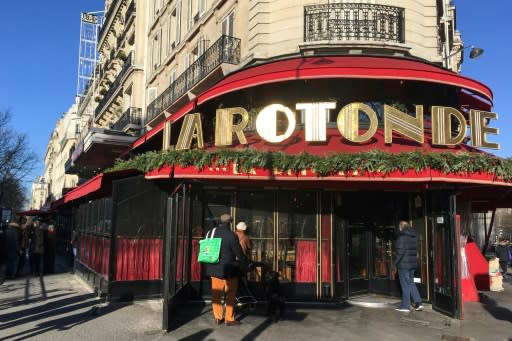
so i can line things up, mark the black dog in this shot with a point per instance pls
(276, 303)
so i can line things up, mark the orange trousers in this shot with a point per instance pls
(219, 287)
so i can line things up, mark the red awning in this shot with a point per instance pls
(342, 67)
(98, 186)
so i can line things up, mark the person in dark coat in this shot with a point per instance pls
(502, 255)
(12, 239)
(225, 273)
(405, 263)
(37, 249)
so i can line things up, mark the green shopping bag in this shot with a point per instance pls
(209, 249)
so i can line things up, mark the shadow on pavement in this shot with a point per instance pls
(493, 308)
(187, 313)
(200, 335)
(67, 322)
(49, 309)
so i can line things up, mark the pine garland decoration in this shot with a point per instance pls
(369, 161)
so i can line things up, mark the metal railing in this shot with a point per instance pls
(354, 21)
(115, 85)
(131, 116)
(225, 50)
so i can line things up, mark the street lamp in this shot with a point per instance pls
(473, 54)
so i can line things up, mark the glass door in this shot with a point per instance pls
(384, 276)
(444, 263)
(176, 253)
(444, 293)
(357, 259)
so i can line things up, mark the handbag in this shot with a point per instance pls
(209, 249)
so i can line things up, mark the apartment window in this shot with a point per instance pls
(173, 76)
(201, 4)
(190, 16)
(186, 62)
(169, 37)
(177, 23)
(227, 25)
(202, 45)
(156, 50)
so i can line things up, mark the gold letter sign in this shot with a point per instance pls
(479, 122)
(224, 126)
(403, 123)
(266, 123)
(315, 119)
(190, 129)
(348, 122)
(442, 126)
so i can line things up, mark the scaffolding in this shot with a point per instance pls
(90, 25)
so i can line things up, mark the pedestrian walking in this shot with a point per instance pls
(50, 244)
(406, 265)
(12, 244)
(74, 249)
(37, 248)
(24, 244)
(224, 275)
(502, 255)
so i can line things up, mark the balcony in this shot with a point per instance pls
(354, 21)
(98, 150)
(114, 87)
(130, 120)
(225, 50)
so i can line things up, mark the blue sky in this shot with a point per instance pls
(38, 66)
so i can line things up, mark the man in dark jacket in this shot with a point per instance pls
(225, 273)
(502, 255)
(406, 265)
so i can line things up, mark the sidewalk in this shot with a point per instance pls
(61, 307)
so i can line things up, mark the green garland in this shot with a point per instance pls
(370, 161)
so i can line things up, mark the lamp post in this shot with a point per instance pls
(474, 53)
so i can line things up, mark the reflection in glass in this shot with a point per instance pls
(256, 209)
(297, 254)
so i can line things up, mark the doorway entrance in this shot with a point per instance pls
(364, 237)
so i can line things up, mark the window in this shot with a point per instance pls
(202, 45)
(170, 34)
(151, 94)
(156, 50)
(190, 16)
(167, 36)
(173, 76)
(201, 4)
(227, 25)
(177, 23)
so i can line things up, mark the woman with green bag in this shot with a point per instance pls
(225, 273)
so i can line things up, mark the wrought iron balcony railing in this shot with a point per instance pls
(115, 85)
(354, 21)
(225, 50)
(131, 116)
